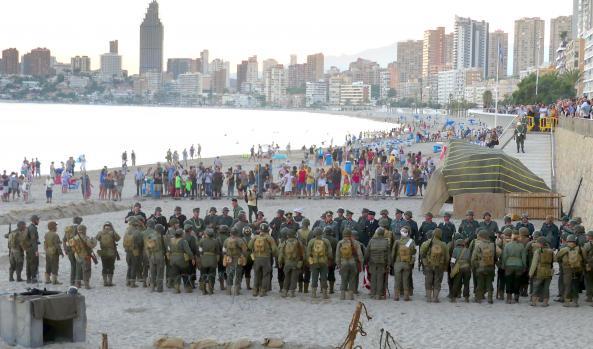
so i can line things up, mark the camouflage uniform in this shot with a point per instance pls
(107, 239)
(235, 258)
(16, 252)
(319, 255)
(262, 248)
(349, 260)
(290, 256)
(210, 252)
(82, 245)
(53, 250)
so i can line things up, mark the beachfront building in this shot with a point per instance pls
(37, 62)
(528, 48)
(316, 94)
(10, 62)
(433, 51)
(470, 46)
(110, 66)
(474, 93)
(452, 83)
(297, 75)
(588, 65)
(151, 41)
(148, 84)
(560, 33)
(315, 67)
(355, 94)
(498, 54)
(409, 60)
(178, 66)
(384, 83)
(189, 84)
(275, 83)
(80, 64)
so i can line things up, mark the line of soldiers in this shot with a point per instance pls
(160, 251)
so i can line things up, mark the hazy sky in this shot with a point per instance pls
(236, 29)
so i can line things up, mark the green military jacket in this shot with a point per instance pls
(484, 255)
(319, 251)
(378, 251)
(107, 239)
(434, 254)
(180, 254)
(541, 265)
(52, 244)
(291, 253)
(348, 251)
(262, 246)
(403, 251)
(210, 251)
(468, 229)
(514, 256)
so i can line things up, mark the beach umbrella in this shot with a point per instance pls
(279, 156)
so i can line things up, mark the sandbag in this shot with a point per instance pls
(240, 344)
(204, 344)
(169, 343)
(273, 343)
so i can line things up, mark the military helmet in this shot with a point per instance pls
(210, 232)
(429, 234)
(384, 222)
(107, 224)
(523, 231)
(247, 230)
(507, 232)
(347, 233)
(537, 234)
(458, 242)
(508, 218)
(34, 218)
(150, 223)
(160, 228)
(77, 220)
(132, 220)
(235, 232)
(306, 222)
(223, 228)
(438, 233)
(52, 225)
(542, 241)
(571, 238)
(328, 230)
(21, 224)
(187, 226)
(579, 220)
(177, 232)
(590, 233)
(483, 234)
(173, 221)
(408, 213)
(264, 227)
(317, 232)
(457, 236)
(81, 228)
(380, 232)
(291, 233)
(284, 232)
(579, 229)
(469, 213)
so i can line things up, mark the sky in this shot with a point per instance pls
(236, 29)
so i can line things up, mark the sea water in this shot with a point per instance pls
(54, 132)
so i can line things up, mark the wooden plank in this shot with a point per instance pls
(479, 203)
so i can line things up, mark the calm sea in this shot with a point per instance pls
(53, 132)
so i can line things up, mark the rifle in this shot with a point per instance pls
(8, 236)
(88, 249)
(115, 247)
(164, 249)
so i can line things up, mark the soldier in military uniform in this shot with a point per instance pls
(263, 248)
(514, 261)
(385, 215)
(192, 242)
(276, 224)
(571, 259)
(32, 252)
(551, 232)
(402, 258)
(241, 222)
(541, 272)
(156, 248)
(82, 245)
(508, 223)
(489, 225)
(349, 260)
(225, 218)
(328, 233)
(339, 219)
(223, 233)
(197, 223)
(587, 249)
(107, 239)
(53, 250)
(460, 271)
(69, 234)
(133, 241)
(505, 239)
(377, 257)
(349, 223)
(524, 223)
(520, 135)
(291, 254)
(426, 226)
(235, 257)
(180, 258)
(304, 235)
(246, 236)
(211, 220)
(484, 256)
(170, 234)
(210, 251)
(145, 271)
(435, 256)
(447, 227)
(16, 242)
(159, 218)
(319, 255)
(469, 227)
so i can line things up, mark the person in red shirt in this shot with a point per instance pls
(301, 180)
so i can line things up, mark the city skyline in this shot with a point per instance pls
(301, 35)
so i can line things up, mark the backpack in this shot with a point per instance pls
(378, 251)
(151, 244)
(129, 241)
(290, 249)
(346, 250)
(259, 245)
(436, 255)
(574, 258)
(232, 246)
(319, 248)
(487, 255)
(405, 256)
(107, 240)
(24, 240)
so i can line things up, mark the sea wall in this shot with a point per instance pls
(574, 160)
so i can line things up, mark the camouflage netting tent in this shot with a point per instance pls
(469, 168)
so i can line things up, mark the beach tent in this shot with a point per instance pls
(472, 169)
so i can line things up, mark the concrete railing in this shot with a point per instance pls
(578, 125)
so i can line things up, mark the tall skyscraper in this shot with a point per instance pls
(81, 64)
(178, 66)
(37, 62)
(449, 41)
(582, 17)
(204, 57)
(10, 62)
(528, 48)
(241, 74)
(409, 60)
(111, 63)
(293, 59)
(498, 53)
(114, 47)
(433, 51)
(470, 46)
(252, 70)
(151, 41)
(560, 28)
(315, 67)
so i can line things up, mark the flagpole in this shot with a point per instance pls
(496, 89)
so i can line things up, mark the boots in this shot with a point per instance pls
(133, 283)
(300, 287)
(533, 301)
(509, 298)
(453, 299)
(11, 275)
(202, 287)
(188, 288)
(331, 287)
(435, 296)
(145, 285)
(110, 280)
(589, 299)
(229, 291)
(77, 283)
(516, 300)
(263, 292)
(349, 295)
(490, 301)
(467, 299)
(177, 288)
(343, 295)
(47, 280)
(325, 295)
(396, 294)
(546, 302)
(105, 280)
(237, 290)
(314, 292)
(306, 287)
(248, 283)
(292, 295)
(255, 292)
(210, 287)
(221, 281)
(428, 295)
(18, 277)
(87, 285)
(54, 280)
(407, 295)
(284, 293)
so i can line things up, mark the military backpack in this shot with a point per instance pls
(574, 258)
(487, 255)
(346, 249)
(435, 256)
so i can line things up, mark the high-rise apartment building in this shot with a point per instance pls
(114, 46)
(449, 42)
(204, 57)
(297, 75)
(315, 67)
(10, 62)
(498, 53)
(293, 59)
(151, 41)
(252, 70)
(365, 71)
(241, 74)
(470, 44)
(409, 59)
(81, 64)
(275, 84)
(560, 30)
(528, 48)
(433, 51)
(37, 62)
(582, 17)
(268, 64)
(178, 66)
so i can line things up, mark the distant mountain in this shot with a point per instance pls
(382, 55)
